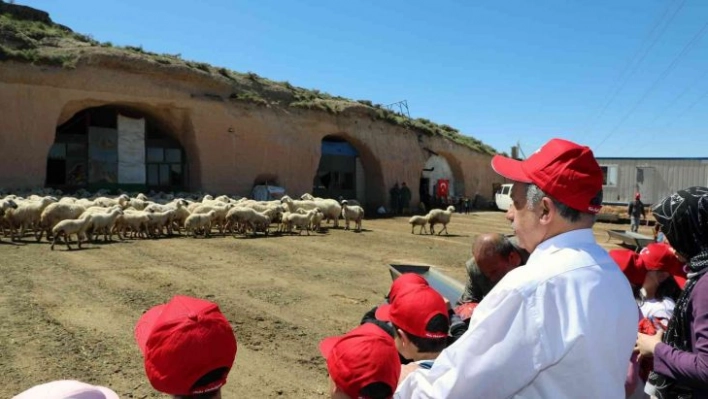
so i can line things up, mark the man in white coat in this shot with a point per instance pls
(564, 325)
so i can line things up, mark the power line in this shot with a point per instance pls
(685, 111)
(674, 120)
(619, 83)
(680, 96)
(658, 80)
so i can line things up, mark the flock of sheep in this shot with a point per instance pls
(60, 219)
(141, 217)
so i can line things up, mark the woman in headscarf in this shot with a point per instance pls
(681, 354)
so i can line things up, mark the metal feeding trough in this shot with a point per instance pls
(630, 238)
(447, 286)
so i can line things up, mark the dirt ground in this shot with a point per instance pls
(70, 314)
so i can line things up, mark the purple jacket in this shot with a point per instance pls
(689, 368)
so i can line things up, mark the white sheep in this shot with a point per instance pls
(349, 201)
(352, 212)
(27, 214)
(136, 221)
(159, 221)
(198, 221)
(418, 220)
(438, 216)
(241, 218)
(103, 222)
(299, 220)
(6, 204)
(329, 207)
(56, 212)
(220, 210)
(316, 223)
(106, 202)
(68, 227)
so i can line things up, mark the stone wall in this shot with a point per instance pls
(228, 144)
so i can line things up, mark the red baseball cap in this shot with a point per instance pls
(405, 282)
(182, 341)
(660, 256)
(413, 310)
(631, 265)
(363, 356)
(564, 170)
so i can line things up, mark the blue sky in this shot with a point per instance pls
(627, 78)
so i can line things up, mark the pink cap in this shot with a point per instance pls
(67, 389)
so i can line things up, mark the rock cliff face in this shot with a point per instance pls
(228, 142)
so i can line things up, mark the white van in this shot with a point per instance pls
(503, 197)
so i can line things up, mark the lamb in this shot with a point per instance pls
(302, 221)
(103, 222)
(136, 221)
(220, 211)
(54, 213)
(438, 216)
(68, 227)
(198, 221)
(316, 223)
(158, 221)
(329, 207)
(242, 218)
(352, 212)
(418, 220)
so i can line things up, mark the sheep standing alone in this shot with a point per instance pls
(438, 216)
(352, 212)
(418, 220)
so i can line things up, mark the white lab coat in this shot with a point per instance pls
(563, 326)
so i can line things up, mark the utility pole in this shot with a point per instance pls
(400, 107)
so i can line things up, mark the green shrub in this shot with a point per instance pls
(137, 49)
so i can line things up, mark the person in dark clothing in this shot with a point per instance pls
(636, 212)
(681, 354)
(467, 206)
(493, 256)
(395, 198)
(405, 197)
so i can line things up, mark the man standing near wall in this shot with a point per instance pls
(636, 212)
(395, 198)
(405, 199)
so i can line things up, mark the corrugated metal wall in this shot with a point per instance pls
(654, 179)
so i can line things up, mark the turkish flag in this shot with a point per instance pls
(443, 188)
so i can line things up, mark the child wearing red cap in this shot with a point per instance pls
(421, 323)
(662, 285)
(188, 348)
(362, 364)
(402, 284)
